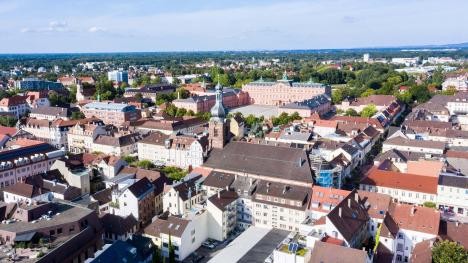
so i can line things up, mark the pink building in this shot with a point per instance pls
(231, 98)
(111, 113)
(283, 91)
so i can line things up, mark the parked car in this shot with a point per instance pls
(207, 244)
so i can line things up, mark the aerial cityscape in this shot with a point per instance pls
(234, 131)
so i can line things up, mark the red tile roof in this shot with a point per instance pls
(13, 101)
(7, 130)
(396, 180)
(416, 218)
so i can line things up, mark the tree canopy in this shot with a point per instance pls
(449, 252)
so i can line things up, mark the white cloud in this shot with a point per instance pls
(96, 29)
(54, 26)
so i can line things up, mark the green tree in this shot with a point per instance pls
(77, 115)
(174, 173)
(72, 94)
(8, 121)
(368, 92)
(369, 111)
(145, 164)
(351, 112)
(449, 252)
(429, 204)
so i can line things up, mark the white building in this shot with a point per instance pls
(452, 194)
(175, 150)
(183, 195)
(81, 137)
(222, 214)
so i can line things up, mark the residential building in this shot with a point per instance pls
(54, 132)
(452, 194)
(180, 197)
(329, 252)
(15, 105)
(150, 92)
(118, 76)
(459, 83)
(81, 137)
(183, 125)
(37, 84)
(405, 226)
(117, 144)
(185, 233)
(381, 102)
(73, 232)
(402, 187)
(237, 127)
(134, 197)
(111, 113)
(283, 91)
(118, 227)
(222, 214)
(422, 146)
(37, 99)
(50, 113)
(74, 173)
(26, 193)
(280, 205)
(24, 159)
(176, 150)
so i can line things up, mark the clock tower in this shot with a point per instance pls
(217, 128)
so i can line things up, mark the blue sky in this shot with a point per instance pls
(29, 26)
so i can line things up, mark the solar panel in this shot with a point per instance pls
(290, 247)
(294, 247)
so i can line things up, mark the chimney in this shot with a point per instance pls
(339, 211)
(227, 187)
(356, 197)
(251, 181)
(235, 176)
(413, 209)
(349, 203)
(219, 194)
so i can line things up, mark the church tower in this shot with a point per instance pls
(217, 128)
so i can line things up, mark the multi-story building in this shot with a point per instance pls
(16, 105)
(25, 159)
(402, 187)
(54, 132)
(176, 150)
(280, 205)
(37, 84)
(405, 226)
(283, 91)
(381, 102)
(74, 232)
(81, 137)
(185, 233)
(452, 194)
(222, 214)
(118, 76)
(112, 113)
(182, 196)
(74, 173)
(135, 197)
(203, 103)
(459, 83)
(50, 113)
(184, 125)
(117, 144)
(37, 99)
(319, 104)
(150, 92)
(418, 146)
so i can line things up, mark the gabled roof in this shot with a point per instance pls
(24, 190)
(118, 225)
(353, 216)
(324, 252)
(219, 179)
(396, 180)
(415, 143)
(172, 225)
(416, 218)
(376, 204)
(267, 160)
(141, 187)
(223, 199)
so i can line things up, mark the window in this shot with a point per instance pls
(59, 231)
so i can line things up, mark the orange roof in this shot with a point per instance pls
(457, 154)
(332, 240)
(204, 171)
(425, 167)
(325, 123)
(7, 130)
(26, 142)
(416, 218)
(406, 181)
(326, 195)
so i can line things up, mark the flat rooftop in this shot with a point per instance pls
(254, 245)
(257, 110)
